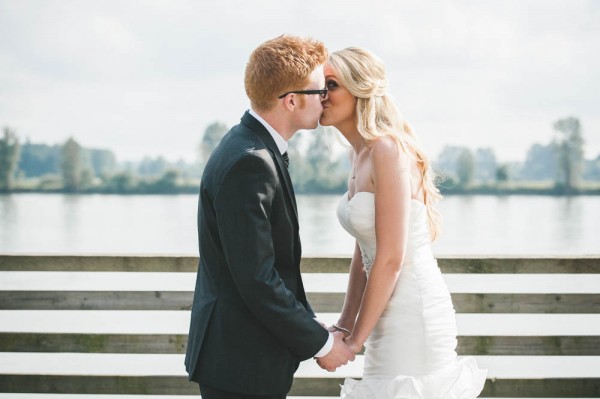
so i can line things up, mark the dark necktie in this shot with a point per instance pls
(286, 159)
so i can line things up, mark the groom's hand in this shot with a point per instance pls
(339, 355)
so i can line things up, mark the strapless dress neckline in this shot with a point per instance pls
(347, 195)
(357, 217)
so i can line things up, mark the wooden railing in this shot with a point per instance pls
(118, 324)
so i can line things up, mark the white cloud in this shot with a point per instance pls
(145, 78)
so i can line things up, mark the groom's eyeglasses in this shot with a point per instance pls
(321, 92)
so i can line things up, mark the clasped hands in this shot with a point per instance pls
(343, 350)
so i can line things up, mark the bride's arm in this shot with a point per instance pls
(354, 293)
(391, 178)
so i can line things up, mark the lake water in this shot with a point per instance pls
(162, 224)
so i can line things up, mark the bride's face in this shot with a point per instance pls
(339, 107)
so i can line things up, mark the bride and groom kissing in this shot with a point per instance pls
(251, 324)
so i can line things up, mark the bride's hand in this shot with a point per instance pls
(355, 346)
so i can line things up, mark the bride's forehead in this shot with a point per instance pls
(328, 70)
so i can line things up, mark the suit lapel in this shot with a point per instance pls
(266, 137)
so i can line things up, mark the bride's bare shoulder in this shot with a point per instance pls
(386, 149)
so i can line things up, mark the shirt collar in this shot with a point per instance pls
(282, 145)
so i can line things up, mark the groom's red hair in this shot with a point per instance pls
(279, 65)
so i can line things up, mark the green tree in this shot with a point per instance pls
(324, 173)
(121, 183)
(541, 162)
(9, 158)
(211, 138)
(299, 168)
(103, 162)
(485, 165)
(465, 167)
(446, 163)
(72, 166)
(153, 166)
(502, 174)
(167, 182)
(592, 169)
(570, 152)
(40, 159)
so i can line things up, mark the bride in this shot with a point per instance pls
(397, 304)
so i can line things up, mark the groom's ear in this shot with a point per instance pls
(290, 101)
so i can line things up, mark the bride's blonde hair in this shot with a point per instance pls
(363, 75)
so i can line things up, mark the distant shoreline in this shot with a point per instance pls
(477, 190)
(550, 191)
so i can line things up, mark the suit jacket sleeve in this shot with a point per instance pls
(243, 210)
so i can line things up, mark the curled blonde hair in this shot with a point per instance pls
(363, 75)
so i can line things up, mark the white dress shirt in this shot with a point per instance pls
(282, 145)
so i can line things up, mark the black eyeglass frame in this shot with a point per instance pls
(321, 92)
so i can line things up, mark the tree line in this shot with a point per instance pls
(314, 168)
(71, 168)
(560, 164)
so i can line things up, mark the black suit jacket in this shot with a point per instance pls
(251, 324)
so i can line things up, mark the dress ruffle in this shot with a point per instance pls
(466, 381)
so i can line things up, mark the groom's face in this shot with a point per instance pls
(310, 108)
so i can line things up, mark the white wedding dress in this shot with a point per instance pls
(411, 351)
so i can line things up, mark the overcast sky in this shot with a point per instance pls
(147, 77)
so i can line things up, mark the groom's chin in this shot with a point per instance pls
(314, 126)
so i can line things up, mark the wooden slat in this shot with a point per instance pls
(534, 388)
(125, 385)
(316, 386)
(154, 263)
(160, 385)
(326, 302)
(479, 265)
(564, 388)
(526, 303)
(100, 263)
(529, 345)
(320, 302)
(325, 264)
(519, 265)
(176, 343)
(93, 343)
(96, 300)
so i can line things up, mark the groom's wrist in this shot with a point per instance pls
(326, 348)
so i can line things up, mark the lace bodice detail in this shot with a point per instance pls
(367, 261)
(357, 216)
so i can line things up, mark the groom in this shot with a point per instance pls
(251, 324)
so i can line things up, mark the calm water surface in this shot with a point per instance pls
(76, 224)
